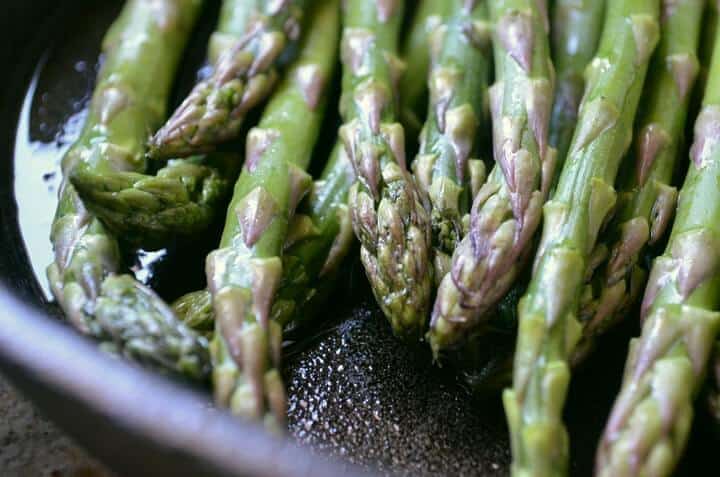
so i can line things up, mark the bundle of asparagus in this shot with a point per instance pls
(86, 275)
(649, 423)
(485, 362)
(549, 328)
(447, 223)
(647, 200)
(506, 211)
(183, 198)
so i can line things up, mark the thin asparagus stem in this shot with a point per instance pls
(416, 53)
(245, 272)
(576, 28)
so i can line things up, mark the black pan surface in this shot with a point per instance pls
(356, 394)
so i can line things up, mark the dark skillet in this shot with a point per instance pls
(355, 393)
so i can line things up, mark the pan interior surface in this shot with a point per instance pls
(354, 391)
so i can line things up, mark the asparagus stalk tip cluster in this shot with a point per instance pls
(127, 103)
(650, 421)
(446, 168)
(150, 333)
(388, 213)
(507, 210)
(245, 273)
(243, 77)
(582, 202)
(149, 211)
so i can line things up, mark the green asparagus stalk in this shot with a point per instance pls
(127, 103)
(244, 76)
(584, 198)
(576, 28)
(140, 326)
(445, 167)
(507, 210)
(388, 214)
(318, 240)
(646, 196)
(650, 421)
(705, 50)
(245, 272)
(416, 51)
(148, 211)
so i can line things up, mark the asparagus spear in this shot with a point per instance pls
(708, 32)
(458, 84)
(388, 215)
(140, 326)
(245, 272)
(148, 211)
(705, 49)
(245, 74)
(647, 198)
(584, 198)
(415, 50)
(126, 104)
(507, 209)
(576, 27)
(319, 238)
(650, 421)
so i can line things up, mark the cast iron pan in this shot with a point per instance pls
(359, 401)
